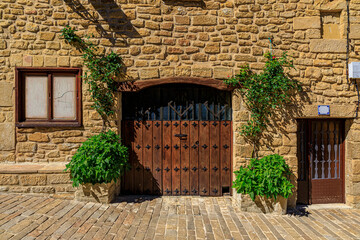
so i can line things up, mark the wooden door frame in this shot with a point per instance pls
(135, 86)
(342, 155)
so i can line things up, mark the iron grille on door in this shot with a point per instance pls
(180, 141)
(177, 102)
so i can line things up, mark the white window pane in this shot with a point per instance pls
(64, 97)
(36, 90)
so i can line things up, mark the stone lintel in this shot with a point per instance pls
(336, 111)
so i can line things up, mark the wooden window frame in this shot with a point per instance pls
(20, 120)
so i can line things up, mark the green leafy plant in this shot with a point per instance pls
(100, 159)
(268, 176)
(101, 72)
(264, 93)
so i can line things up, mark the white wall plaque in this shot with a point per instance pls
(323, 110)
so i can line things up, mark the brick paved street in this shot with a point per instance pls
(28, 217)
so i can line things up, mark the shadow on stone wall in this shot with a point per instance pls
(188, 3)
(283, 119)
(111, 15)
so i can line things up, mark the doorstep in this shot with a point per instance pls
(325, 206)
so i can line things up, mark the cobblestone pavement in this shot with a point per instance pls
(29, 217)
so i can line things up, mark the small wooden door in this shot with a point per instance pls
(179, 138)
(321, 161)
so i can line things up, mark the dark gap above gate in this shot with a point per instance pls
(177, 102)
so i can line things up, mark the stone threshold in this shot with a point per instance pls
(328, 206)
(325, 206)
(32, 168)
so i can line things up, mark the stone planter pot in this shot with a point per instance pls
(261, 204)
(100, 192)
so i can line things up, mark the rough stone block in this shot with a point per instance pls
(7, 179)
(307, 22)
(38, 137)
(7, 136)
(6, 94)
(64, 61)
(59, 178)
(149, 73)
(69, 133)
(19, 189)
(212, 48)
(38, 61)
(182, 20)
(47, 36)
(328, 45)
(50, 61)
(205, 20)
(43, 189)
(32, 180)
(26, 147)
(53, 154)
(222, 73)
(202, 72)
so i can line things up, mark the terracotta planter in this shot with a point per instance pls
(100, 192)
(261, 204)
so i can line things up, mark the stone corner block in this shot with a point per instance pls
(328, 45)
(354, 31)
(7, 136)
(307, 23)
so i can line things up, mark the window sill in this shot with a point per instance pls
(47, 124)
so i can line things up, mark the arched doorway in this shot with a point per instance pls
(180, 140)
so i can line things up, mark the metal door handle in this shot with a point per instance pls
(180, 135)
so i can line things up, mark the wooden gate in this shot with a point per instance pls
(180, 141)
(321, 161)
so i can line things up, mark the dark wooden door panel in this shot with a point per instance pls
(167, 157)
(138, 161)
(214, 158)
(157, 157)
(185, 158)
(128, 140)
(147, 156)
(194, 157)
(176, 162)
(178, 157)
(225, 156)
(204, 156)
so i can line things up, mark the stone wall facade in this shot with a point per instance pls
(199, 38)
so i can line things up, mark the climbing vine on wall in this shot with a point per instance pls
(102, 70)
(264, 93)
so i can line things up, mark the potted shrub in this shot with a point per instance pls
(97, 167)
(264, 185)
